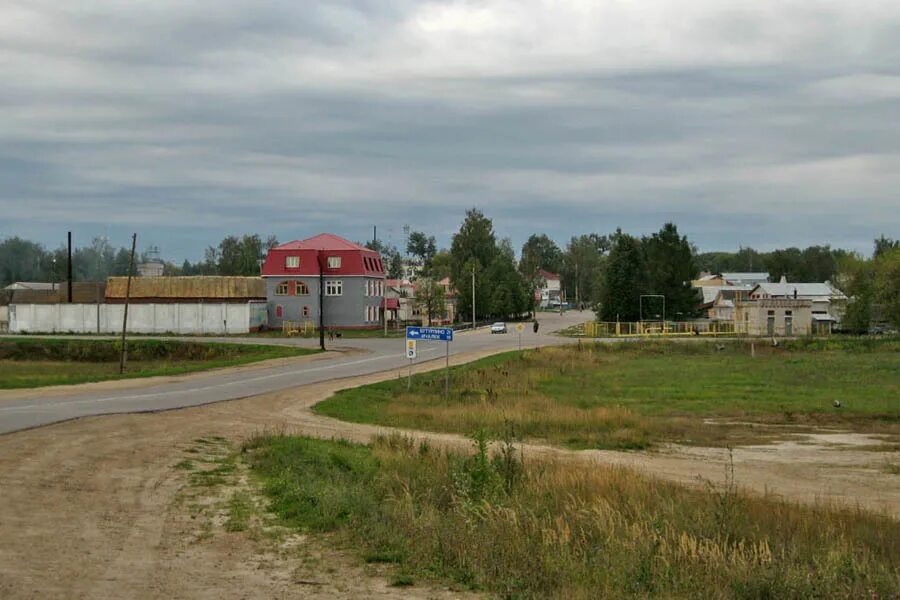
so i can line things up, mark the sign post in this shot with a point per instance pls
(437, 334)
(411, 355)
(519, 328)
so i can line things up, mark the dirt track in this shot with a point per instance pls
(89, 507)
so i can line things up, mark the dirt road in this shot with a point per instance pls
(90, 507)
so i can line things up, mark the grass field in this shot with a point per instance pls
(555, 530)
(35, 362)
(632, 395)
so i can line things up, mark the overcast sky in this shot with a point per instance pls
(766, 123)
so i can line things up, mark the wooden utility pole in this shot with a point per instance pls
(123, 356)
(69, 271)
(473, 297)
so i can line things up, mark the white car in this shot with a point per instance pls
(498, 328)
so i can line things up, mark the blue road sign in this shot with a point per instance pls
(441, 334)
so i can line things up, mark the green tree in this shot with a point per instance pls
(539, 252)
(422, 246)
(854, 278)
(582, 264)
(885, 244)
(474, 248)
(440, 265)
(240, 256)
(431, 299)
(669, 261)
(886, 285)
(23, 260)
(509, 292)
(622, 280)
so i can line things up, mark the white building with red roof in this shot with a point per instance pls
(349, 276)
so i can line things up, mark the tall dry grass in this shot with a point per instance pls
(557, 530)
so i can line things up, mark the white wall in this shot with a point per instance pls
(219, 318)
(4, 318)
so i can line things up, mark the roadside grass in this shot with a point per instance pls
(36, 362)
(635, 395)
(544, 529)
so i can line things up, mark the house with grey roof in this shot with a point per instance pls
(827, 302)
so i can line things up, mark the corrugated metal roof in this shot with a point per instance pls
(187, 287)
(806, 290)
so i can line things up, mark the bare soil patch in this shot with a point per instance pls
(91, 508)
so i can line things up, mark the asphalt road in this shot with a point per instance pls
(354, 357)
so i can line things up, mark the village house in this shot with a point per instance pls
(350, 276)
(827, 303)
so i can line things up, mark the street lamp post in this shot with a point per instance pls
(320, 260)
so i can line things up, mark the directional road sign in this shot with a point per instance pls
(441, 334)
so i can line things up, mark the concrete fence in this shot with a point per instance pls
(194, 318)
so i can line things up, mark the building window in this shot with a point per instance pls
(301, 289)
(305, 311)
(334, 288)
(281, 289)
(334, 262)
(279, 311)
(292, 262)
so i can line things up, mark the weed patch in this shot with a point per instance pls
(559, 530)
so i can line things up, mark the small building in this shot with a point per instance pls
(775, 317)
(828, 303)
(24, 292)
(400, 302)
(719, 302)
(152, 266)
(352, 278)
(550, 289)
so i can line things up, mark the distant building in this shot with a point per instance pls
(353, 278)
(827, 303)
(152, 266)
(776, 317)
(550, 290)
(744, 278)
(30, 292)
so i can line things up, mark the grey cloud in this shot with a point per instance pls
(192, 121)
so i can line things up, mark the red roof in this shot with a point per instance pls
(304, 256)
(548, 274)
(323, 241)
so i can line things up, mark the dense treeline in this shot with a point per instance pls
(23, 260)
(607, 272)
